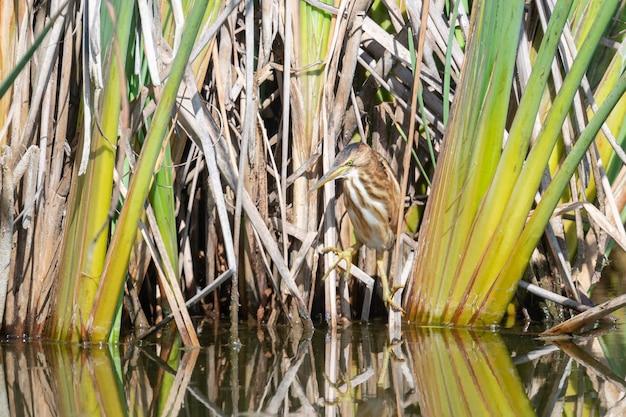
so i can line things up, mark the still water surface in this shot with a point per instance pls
(355, 371)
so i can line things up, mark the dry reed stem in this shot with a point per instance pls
(583, 320)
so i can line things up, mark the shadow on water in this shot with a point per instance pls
(355, 371)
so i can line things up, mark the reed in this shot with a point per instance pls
(156, 158)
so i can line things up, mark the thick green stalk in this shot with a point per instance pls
(309, 54)
(501, 249)
(536, 224)
(85, 240)
(481, 196)
(469, 158)
(485, 153)
(118, 256)
(312, 32)
(494, 205)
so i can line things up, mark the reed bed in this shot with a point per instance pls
(157, 157)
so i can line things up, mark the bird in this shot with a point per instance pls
(373, 200)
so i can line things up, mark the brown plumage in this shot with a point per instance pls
(372, 195)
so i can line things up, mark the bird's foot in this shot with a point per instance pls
(388, 356)
(342, 389)
(345, 255)
(388, 297)
(387, 293)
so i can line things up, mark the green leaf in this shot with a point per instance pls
(122, 242)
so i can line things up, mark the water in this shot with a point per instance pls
(355, 371)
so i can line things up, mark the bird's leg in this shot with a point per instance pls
(388, 355)
(387, 293)
(342, 254)
(345, 394)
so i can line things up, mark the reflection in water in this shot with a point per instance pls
(466, 373)
(354, 371)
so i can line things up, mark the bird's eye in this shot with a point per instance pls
(350, 163)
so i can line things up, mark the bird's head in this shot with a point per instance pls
(347, 163)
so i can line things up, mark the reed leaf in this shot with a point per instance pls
(507, 251)
(535, 226)
(313, 29)
(122, 242)
(482, 194)
(7, 80)
(600, 80)
(615, 121)
(603, 76)
(310, 53)
(468, 161)
(86, 238)
(161, 198)
(8, 45)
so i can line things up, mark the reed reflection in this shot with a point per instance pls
(360, 370)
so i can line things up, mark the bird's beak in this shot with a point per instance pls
(333, 173)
